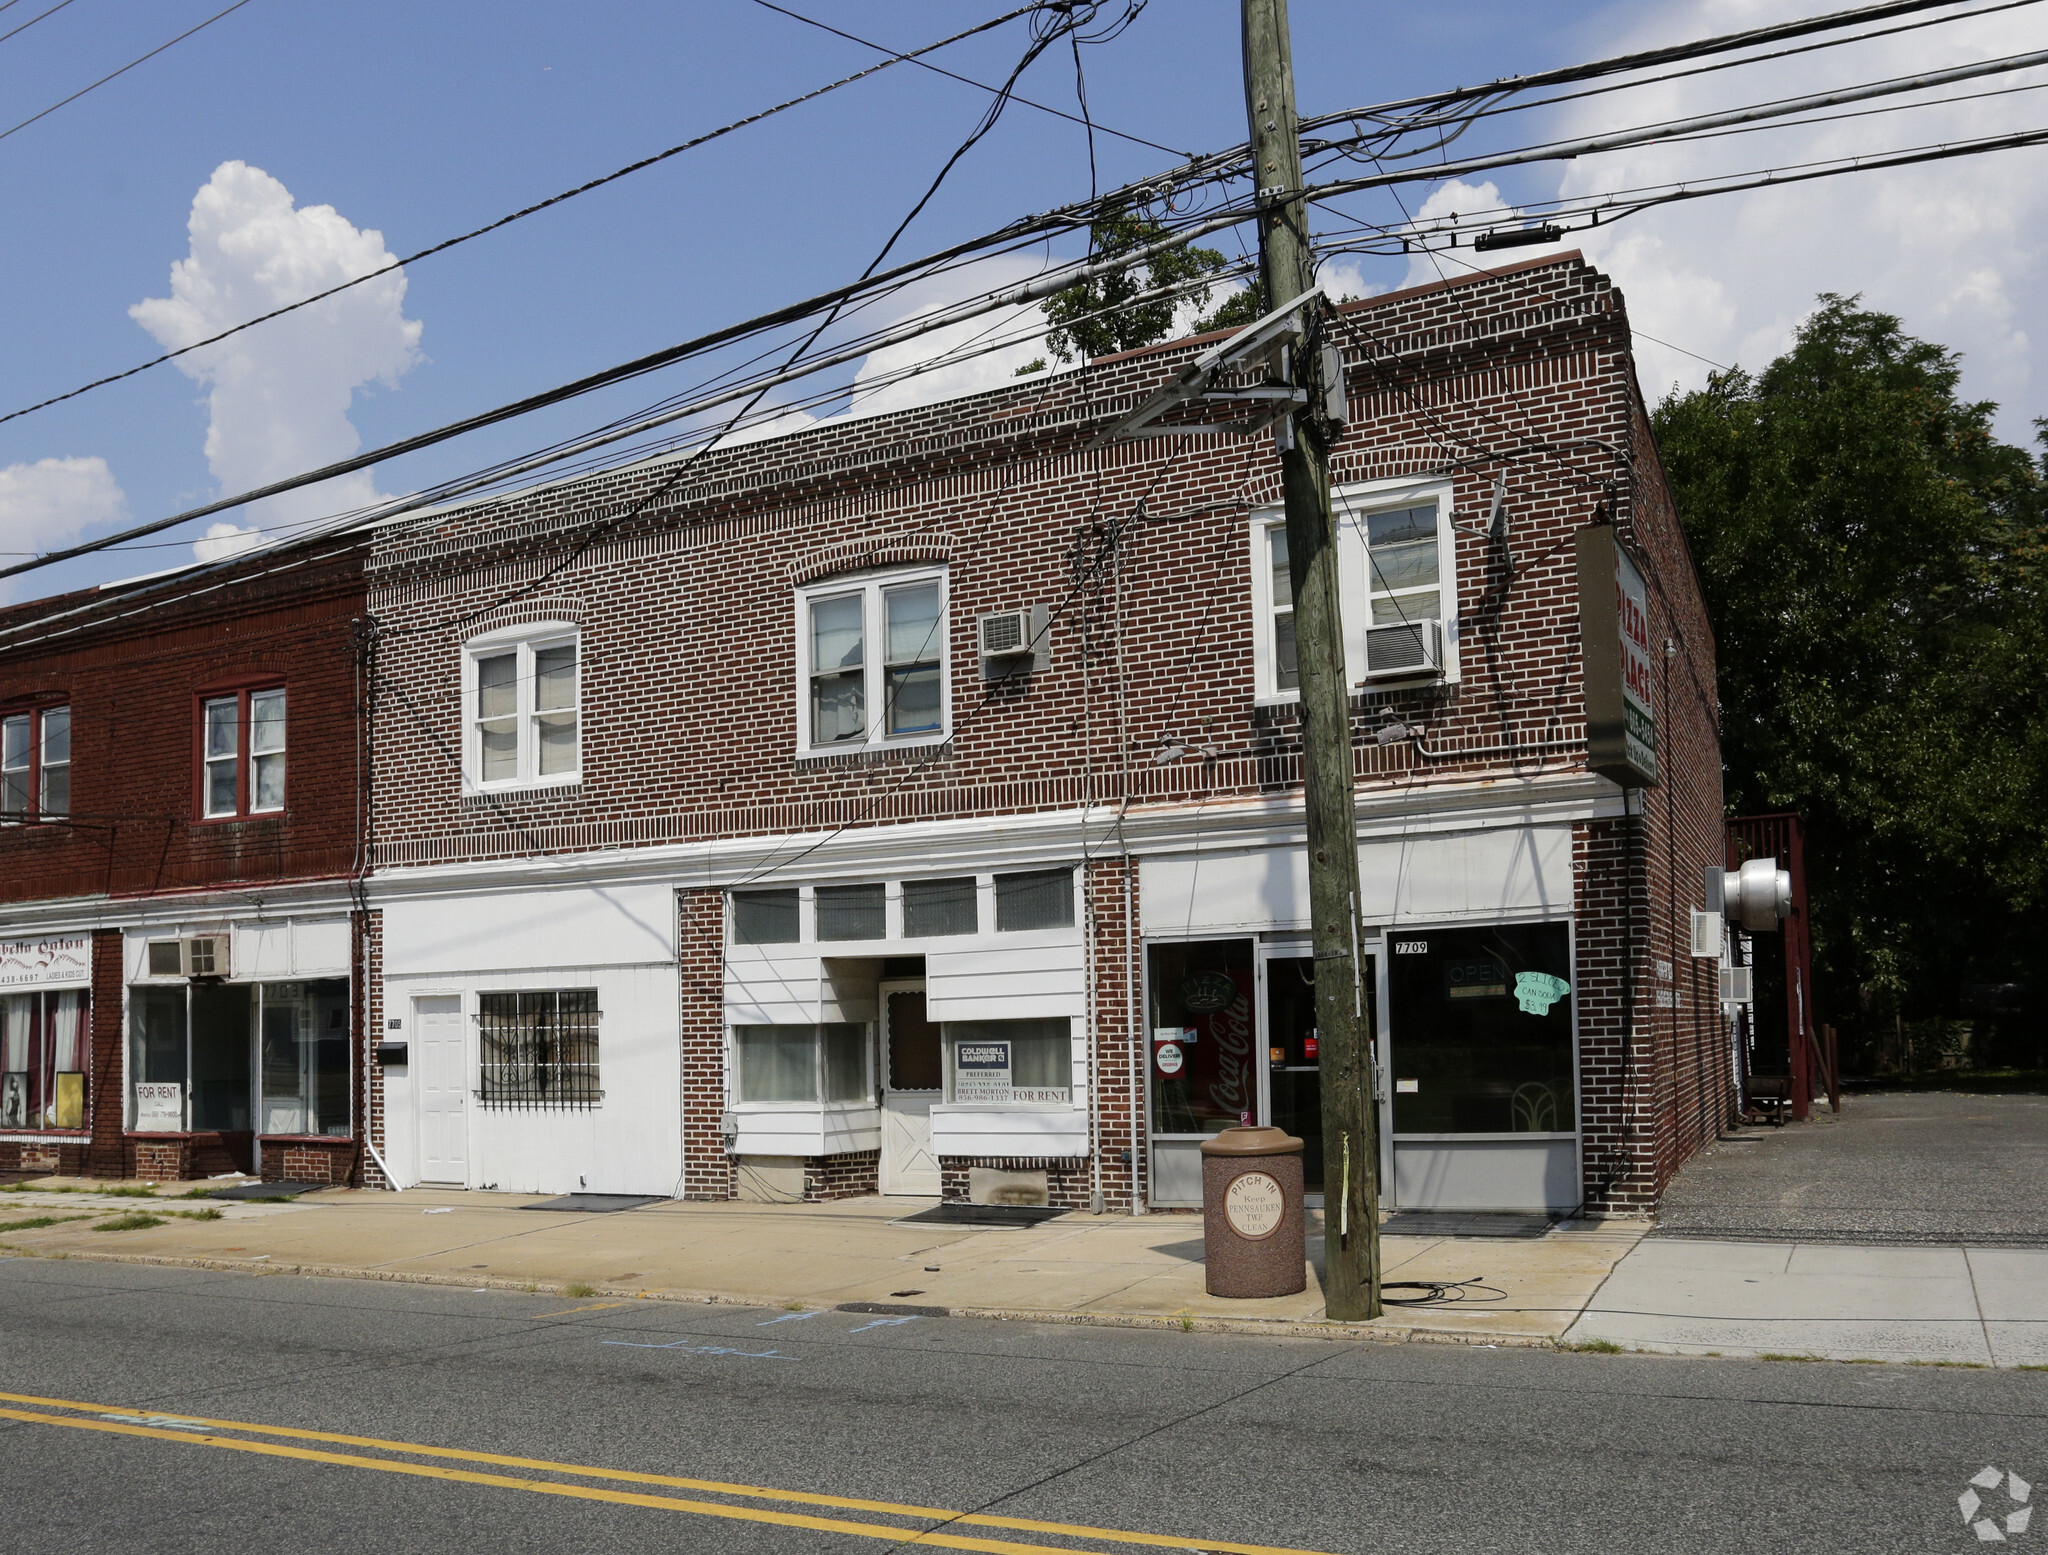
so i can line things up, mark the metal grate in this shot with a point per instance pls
(538, 1050)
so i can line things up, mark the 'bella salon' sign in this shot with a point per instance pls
(55, 961)
(1614, 625)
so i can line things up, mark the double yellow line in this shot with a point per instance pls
(119, 1421)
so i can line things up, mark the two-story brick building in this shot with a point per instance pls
(180, 825)
(725, 846)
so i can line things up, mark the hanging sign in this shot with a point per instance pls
(54, 961)
(1614, 632)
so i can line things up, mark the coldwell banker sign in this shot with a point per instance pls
(1614, 625)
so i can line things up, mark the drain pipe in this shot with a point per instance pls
(370, 1146)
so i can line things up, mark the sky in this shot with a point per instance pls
(288, 146)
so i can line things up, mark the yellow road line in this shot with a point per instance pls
(602, 1306)
(629, 1476)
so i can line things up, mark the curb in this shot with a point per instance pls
(1271, 1328)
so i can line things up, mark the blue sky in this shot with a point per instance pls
(422, 120)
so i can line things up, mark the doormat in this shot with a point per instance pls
(265, 1190)
(1417, 1222)
(597, 1203)
(956, 1214)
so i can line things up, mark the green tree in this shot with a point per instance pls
(1873, 559)
(1120, 230)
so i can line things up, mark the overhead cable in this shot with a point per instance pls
(111, 75)
(519, 215)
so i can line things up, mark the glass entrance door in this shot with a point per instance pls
(1293, 1097)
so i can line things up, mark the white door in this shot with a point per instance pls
(912, 1079)
(442, 1067)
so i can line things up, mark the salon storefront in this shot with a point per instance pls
(1467, 982)
(239, 1049)
(45, 1051)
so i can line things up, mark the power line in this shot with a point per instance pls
(141, 59)
(940, 70)
(505, 221)
(24, 27)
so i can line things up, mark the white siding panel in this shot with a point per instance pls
(622, 925)
(1019, 1133)
(320, 947)
(985, 980)
(773, 985)
(262, 952)
(1454, 875)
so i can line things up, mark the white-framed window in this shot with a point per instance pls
(1009, 1063)
(521, 703)
(242, 751)
(873, 661)
(35, 764)
(1397, 589)
(803, 1065)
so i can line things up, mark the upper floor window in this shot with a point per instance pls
(242, 749)
(1396, 586)
(35, 763)
(522, 726)
(872, 658)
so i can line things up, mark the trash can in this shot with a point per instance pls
(1254, 1231)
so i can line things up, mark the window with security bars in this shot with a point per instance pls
(538, 1049)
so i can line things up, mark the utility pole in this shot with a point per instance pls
(1351, 1233)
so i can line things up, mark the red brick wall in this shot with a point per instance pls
(707, 1169)
(1068, 1182)
(130, 667)
(841, 1176)
(688, 693)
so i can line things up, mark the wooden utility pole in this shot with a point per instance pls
(1351, 1235)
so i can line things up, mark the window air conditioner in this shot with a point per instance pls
(1738, 985)
(1408, 649)
(1706, 935)
(1013, 642)
(204, 955)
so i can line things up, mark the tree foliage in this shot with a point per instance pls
(1873, 558)
(1076, 333)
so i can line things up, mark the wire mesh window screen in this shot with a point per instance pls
(539, 1050)
(1043, 899)
(851, 912)
(938, 907)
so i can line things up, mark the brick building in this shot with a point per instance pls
(179, 825)
(712, 856)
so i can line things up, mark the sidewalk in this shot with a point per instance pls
(1139, 1271)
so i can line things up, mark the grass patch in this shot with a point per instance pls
(1953, 1365)
(2030, 1367)
(195, 1214)
(133, 1220)
(1593, 1347)
(1772, 1355)
(125, 1193)
(1187, 1325)
(41, 1221)
(579, 1290)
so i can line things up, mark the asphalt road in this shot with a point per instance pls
(146, 1408)
(1892, 1167)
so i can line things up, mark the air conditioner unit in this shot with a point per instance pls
(1409, 649)
(1738, 985)
(1013, 642)
(1706, 935)
(203, 955)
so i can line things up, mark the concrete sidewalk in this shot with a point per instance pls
(1143, 1270)
(1970, 1306)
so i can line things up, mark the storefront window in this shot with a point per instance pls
(43, 1045)
(202, 1053)
(1201, 1036)
(1010, 1063)
(1481, 1029)
(305, 1058)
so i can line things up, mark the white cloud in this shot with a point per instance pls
(53, 501)
(279, 394)
(1022, 327)
(1954, 248)
(225, 540)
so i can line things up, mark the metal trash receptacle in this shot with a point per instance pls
(1254, 1227)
